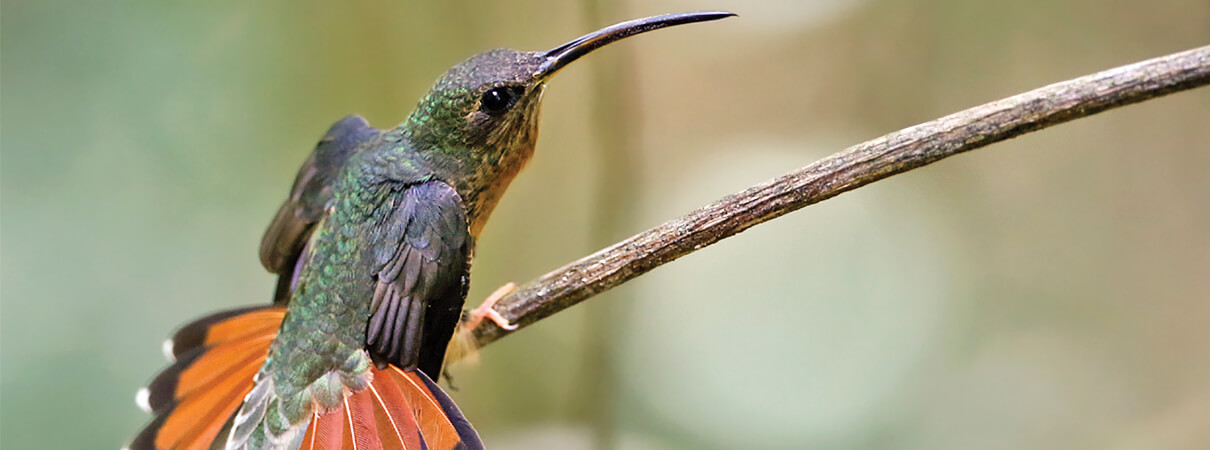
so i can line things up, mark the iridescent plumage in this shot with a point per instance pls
(373, 249)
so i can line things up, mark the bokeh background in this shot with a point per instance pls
(1047, 292)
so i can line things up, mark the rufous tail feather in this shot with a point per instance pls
(195, 399)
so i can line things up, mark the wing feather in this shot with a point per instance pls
(423, 255)
(283, 242)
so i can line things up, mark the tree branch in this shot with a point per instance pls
(852, 168)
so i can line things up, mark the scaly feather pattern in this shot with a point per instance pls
(373, 251)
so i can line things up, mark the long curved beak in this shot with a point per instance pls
(561, 56)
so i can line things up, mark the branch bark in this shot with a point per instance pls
(852, 168)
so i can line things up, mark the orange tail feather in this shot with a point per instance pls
(195, 399)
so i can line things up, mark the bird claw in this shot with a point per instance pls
(485, 310)
(463, 344)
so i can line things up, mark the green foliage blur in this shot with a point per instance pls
(1047, 292)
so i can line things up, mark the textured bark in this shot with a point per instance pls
(852, 168)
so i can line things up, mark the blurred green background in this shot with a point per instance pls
(1047, 292)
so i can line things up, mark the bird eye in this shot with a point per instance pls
(498, 100)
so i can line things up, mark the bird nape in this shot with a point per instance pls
(372, 250)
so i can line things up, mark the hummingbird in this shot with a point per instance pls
(372, 250)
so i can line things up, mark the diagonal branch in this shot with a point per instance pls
(852, 168)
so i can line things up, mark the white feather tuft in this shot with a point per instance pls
(143, 399)
(167, 348)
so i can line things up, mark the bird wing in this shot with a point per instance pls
(422, 258)
(410, 246)
(287, 234)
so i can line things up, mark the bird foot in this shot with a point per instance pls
(485, 310)
(463, 345)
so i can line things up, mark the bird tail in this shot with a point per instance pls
(215, 359)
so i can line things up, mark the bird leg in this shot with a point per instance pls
(463, 343)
